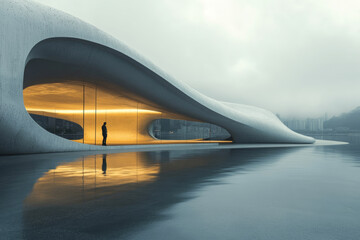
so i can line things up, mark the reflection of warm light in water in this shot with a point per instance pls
(90, 178)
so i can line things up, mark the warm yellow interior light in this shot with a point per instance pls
(100, 111)
(89, 106)
(103, 174)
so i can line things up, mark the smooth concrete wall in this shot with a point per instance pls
(33, 33)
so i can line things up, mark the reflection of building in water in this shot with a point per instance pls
(84, 179)
(68, 199)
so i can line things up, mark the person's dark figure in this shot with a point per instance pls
(104, 133)
(104, 166)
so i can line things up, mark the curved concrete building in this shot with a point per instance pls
(57, 70)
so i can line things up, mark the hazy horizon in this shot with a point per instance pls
(296, 59)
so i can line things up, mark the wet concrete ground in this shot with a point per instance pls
(216, 193)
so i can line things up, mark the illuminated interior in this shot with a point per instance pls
(128, 121)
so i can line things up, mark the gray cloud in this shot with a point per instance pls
(295, 58)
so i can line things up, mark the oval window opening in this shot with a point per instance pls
(60, 127)
(173, 129)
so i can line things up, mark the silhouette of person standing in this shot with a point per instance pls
(104, 133)
(104, 165)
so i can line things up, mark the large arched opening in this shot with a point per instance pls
(72, 86)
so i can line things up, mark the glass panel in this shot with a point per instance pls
(120, 115)
(89, 114)
(77, 112)
(146, 133)
(57, 101)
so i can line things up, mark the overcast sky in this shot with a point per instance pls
(292, 57)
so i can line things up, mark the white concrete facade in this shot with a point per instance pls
(30, 31)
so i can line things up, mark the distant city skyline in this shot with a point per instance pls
(298, 59)
(305, 124)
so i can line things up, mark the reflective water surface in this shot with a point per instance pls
(283, 193)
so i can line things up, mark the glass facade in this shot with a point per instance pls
(81, 109)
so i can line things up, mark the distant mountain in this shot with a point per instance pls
(350, 121)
